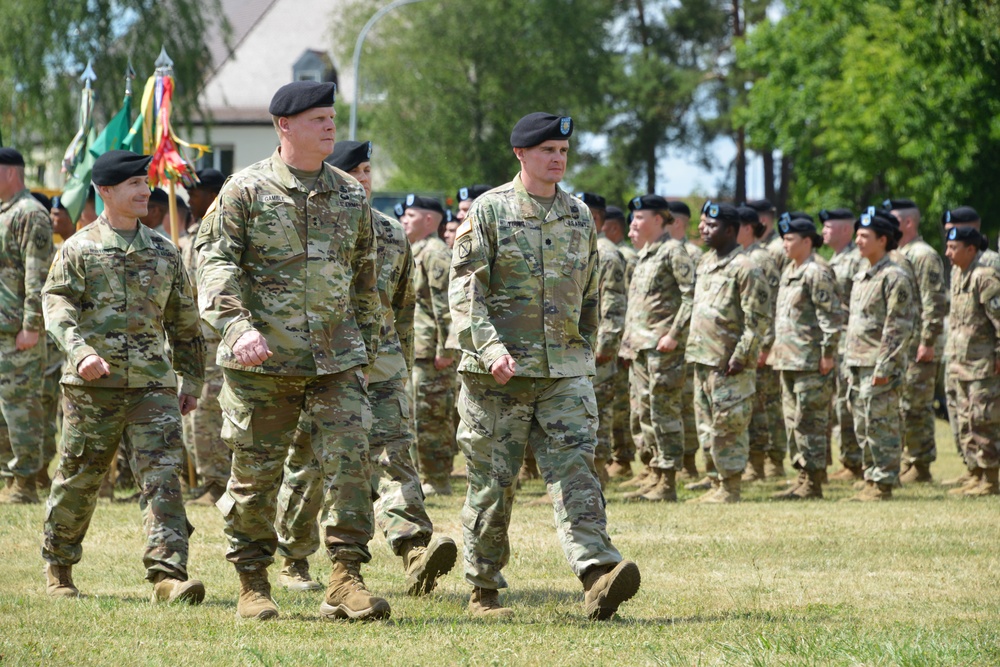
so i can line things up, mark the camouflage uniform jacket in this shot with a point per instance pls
(776, 249)
(695, 251)
(881, 321)
(126, 303)
(612, 298)
(432, 319)
(730, 316)
(928, 271)
(189, 256)
(25, 255)
(659, 298)
(631, 258)
(973, 344)
(809, 317)
(395, 289)
(845, 265)
(524, 283)
(298, 266)
(764, 260)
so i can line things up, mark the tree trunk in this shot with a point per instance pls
(768, 156)
(741, 165)
(786, 177)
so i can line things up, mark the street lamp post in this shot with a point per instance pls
(357, 57)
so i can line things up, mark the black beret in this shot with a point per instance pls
(761, 205)
(212, 179)
(347, 155)
(880, 221)
(614, 213)
(473, 192)
(159, 196)
(448, 216)
(115, 167)
(748, 215)
(181, 202)
(43, 199)
(11, 158)
(679, 208)
(299, 96)
(898, 204)
(969, 236)
(800, 214)
(592, 200)
(648, 203)
(835, 214)
(537, 127)
(960, 215)
(399, 209)
(724, 212)
(801, 225)
(426, 203)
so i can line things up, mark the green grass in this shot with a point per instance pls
(911, 582)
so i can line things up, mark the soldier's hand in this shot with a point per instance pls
(735, 367)
(441, 363)
(762, 358)
(251, 349)
(666, 344)
(879, 381)
(925, 354)
(825, 365)
(93, 367)
(187, 403)
(602, 359)
(25, 339)
(503, 369)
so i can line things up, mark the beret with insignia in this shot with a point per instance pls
(898, 204)
(726, 213)
(537, 127)
(10, 157)
(425, 203)
(347, 155)
(679, 208)
(878, 220)
(835, 214)
(761, 205)
(210, 179)
(115, 167)
(802, 226)
(399, 209)
(960, 216)
(592, 200)
(299, 96)
(472, 192)
(968, 236)
(448, 216)
(648, 203)
(748, 215)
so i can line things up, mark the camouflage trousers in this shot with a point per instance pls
(691, 445)
(623, 446)
(656, 380)
(850, 450)
(433, 397)
(558, 416)
(604, 392)
(876, 424)
(399, 505)
(51, 404)
(976, 416)
(148, 424)
(805, 402)
(767, 424)
(203, 428)
(22, 421)
(722, 409)
(916, 405)
(261, 413)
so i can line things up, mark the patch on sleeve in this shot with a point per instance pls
(40, 239)
(464, 247)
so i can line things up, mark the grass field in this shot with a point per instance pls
(911, 582)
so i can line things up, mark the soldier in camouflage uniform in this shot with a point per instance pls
(118, 302)
(729, 320)
(656, 326)
(203, 425)
(25, 254)
(432, 384)
(622, 445)
(838, 233)
(399, 508)
(878, 335)
(927, 344)
(286, 276)
(973, 352)
(525, 303)
(806, 334)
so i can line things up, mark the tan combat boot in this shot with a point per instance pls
(975, 479)
(59, 581)
(425, 563)
(651, 480)
(990, 486)
(485, 604)
(689, 469)
(713, 484)
(665, 489)
(637, 480)
(436, 488)
(847, 474)
(21, 491)
(255, 596)
(754, 472)
(872, 492)
(774, 467)
(961, 480)
(606, 588)
(294, 576)
(348, 597)
(917, 473)
(528, 471)
(727, 493)
(809, 485)
(170, 589)
(601, 466)
(619, 469)
(211, 495)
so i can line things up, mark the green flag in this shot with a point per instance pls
(75, 193)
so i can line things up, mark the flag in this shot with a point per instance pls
(75, 193)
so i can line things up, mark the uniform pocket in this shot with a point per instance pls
(479, 413)
(237, 419)
(74, 441)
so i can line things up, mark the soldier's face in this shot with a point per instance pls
(61, 224)
(130, 198)
(313, 131)
(545, 162)
(716, 234)
(960, 253)
(870, 244)
(419, 223)
(647, 225)
(837, 233)
(449, 233)
(463, 209)
(363, 174)
(797, 247)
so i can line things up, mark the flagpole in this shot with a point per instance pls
(165, 68)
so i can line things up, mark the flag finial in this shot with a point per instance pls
(88, 75)
(163, 61)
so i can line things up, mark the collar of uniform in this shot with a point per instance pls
(723, 261)
(799, 271)
(418, 246)
(847, 248)
(530, 209)
(965, 276)
(13, 200)
(651, 248)
(872, 270)
(324, 183)
(112, 239)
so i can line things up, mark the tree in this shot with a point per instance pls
(46, 45)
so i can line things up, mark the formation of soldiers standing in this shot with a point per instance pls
(311, 354)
